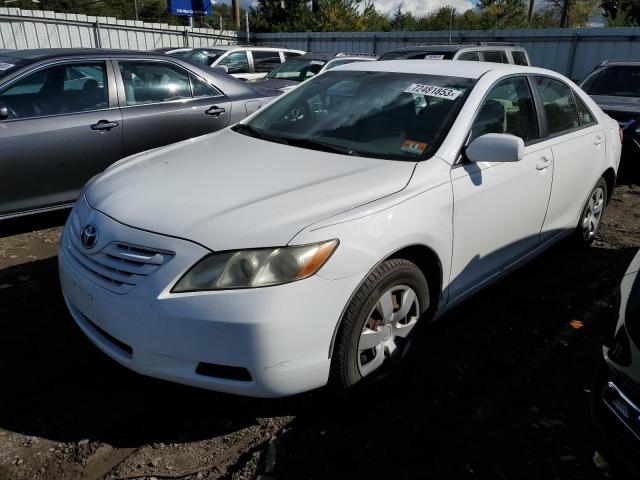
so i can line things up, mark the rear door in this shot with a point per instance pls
(578, 144)
(64, 127)
(162, 103)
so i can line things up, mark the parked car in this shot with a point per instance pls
(247, 63)
(303, 245)
(67, 114)
(616, 396)
(292, 72)
(496, 52)
(615, 87)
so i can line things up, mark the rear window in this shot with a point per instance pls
(519, 58)
(9, 65)
(495, 57)
(617, 81)
(417, 55)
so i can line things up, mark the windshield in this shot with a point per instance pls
(9, 65)
(397, 116)
(203, 57)
(418, 55)
(617, 81)
(297, 70)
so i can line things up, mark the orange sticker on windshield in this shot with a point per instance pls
(410, 146)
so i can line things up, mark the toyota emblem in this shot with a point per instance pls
(89, 236)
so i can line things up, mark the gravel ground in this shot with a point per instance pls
(498, 389)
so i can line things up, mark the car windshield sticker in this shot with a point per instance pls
(317, 62)
(410, 146)
(434, 57)
(433, 91)
(6, 66)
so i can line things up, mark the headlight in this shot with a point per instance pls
(255, 268)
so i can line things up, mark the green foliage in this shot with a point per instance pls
(362, 15)
(621, 13)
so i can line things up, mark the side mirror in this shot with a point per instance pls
(496, 147)
(4, 111)
(222, 68)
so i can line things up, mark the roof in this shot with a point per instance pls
(450, 68)
(608, 63)
(447, 47)
(45, 53)
(246, 47)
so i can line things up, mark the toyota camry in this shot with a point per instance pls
(305, 245)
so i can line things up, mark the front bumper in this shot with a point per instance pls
(265, 342)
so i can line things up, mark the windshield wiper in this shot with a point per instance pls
(243, 127)
(325, 147)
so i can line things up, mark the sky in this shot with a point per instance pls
(419, 7)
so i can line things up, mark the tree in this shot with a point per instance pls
(502, 14)
(621, 12)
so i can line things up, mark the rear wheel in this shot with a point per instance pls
(592, 213)
(378, 326)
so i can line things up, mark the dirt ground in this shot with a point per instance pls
(499, 388)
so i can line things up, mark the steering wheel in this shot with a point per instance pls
(298, 112)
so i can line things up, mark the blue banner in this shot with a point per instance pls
(190, 8)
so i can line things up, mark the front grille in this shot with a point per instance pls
(118, 266)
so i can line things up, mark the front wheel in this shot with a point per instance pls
(591, 217)
(379, 324)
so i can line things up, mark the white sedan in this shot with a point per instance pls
(302, 246)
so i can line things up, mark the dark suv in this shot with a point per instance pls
(615, 87)
(67, 114)
(497, 52)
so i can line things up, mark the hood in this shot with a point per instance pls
(227, 190)
(274, 83)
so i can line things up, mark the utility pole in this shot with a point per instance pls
(451, 23)
(530, 11)
(246, 18)
(565, 12)
(221, 26)
(135, 8)
(235, 10)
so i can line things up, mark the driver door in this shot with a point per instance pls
(64, 127)
(499, 208)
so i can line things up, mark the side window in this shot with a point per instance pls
(153, 82)
(508, 108)
(559, 105)
(265, 61)
(236, 62)
(496, 57)
(57, 90)
(584, 115)
(469, 56)
(290, 55)
(337, 63)
(519, 58)
(202, 88)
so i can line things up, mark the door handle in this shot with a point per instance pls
(544, 162)
(104, 125)
(597, 140)
(215, 111)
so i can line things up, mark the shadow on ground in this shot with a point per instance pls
(484, 383)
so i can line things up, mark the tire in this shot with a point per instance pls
(387, 289)
(592, 214)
